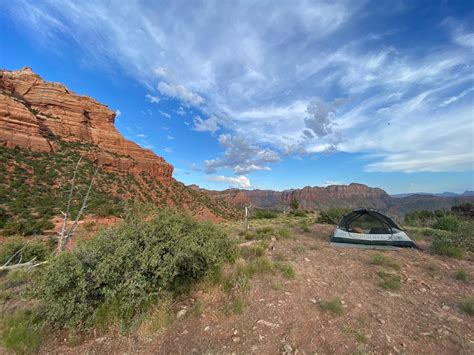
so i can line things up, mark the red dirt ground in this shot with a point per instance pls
(284, 315)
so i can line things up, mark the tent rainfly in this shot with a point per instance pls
(365, 226)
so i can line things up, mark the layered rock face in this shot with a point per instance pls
(34, 112)
(353, 195)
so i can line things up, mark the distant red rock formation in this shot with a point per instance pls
(353, 195)
(33, 112)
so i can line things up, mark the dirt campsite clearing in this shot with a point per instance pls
(292, 293)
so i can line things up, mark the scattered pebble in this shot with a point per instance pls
(181, 313)
(267, 323)
(207, 328)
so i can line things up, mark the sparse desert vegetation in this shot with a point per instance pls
(162, 275)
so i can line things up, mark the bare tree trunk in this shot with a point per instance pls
(68, 207)
(71, 231)
(29, 264)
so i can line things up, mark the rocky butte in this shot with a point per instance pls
(34, 112)
(39, 117)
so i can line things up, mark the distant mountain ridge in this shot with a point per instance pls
(352, 195)
(440, 194)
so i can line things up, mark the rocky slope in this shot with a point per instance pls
(352, 195)
(44, 128)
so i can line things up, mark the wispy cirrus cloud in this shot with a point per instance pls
(271, 74)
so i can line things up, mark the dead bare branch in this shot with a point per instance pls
(68, 207)
(71, 231)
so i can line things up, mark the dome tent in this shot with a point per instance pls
(365, 226)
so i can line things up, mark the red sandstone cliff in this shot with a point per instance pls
(353, 195)
(33, 112)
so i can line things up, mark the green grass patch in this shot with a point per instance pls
(467, 305)
(161, 316)
(462, 275)
(305, 227)
(284, 233)
(434, 270)
(384, 261)
(333, 305)
(389, 281)
(234, 306)
(286, 270)
(21, 332)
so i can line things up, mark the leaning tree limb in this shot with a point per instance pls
(65, 240)
(68, 207)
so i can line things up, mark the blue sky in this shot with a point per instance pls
(270, 94)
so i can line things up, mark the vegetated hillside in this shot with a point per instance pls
(34, 187)
(45, 128)
(352, 195)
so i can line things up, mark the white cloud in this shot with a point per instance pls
(168, 150)
(118, 113)
(330, 182)
(320, 118)
(141, 135)
(241, 181)
(170, 138)
(180, 92)
(209, 125)
(456, 98)
(152, 99)
(180, 111)
(167, 115)
(241, 156)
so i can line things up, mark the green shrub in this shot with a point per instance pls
(128, 265)
(389, 281)
(422, 218)
(448, 223)
(334, 306)
(331, 215)
(29, 251)
(467, 305)
(464, 237)
(298, 213)
(446, 244)
(21, 332)
(264, 214)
